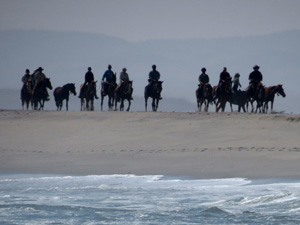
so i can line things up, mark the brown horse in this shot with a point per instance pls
(153, 92)
(109, 90)
(270, 95)
(124, 92)
(87, 95)
(61, 93)
(222, 95)
(40, 94)
(204, 96)
(26, 94)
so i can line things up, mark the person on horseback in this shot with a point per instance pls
(109, 77)
(39, 76)
(255, 78)
(154, 76)
(89, 77)
(124, 78)
(236, 83)
(27, 81)
(203, 79)
(224, 77)
(27, 78)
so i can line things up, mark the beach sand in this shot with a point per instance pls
(200, 145)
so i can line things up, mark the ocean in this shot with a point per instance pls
(130, 199)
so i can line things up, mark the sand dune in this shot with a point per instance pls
(202, 145)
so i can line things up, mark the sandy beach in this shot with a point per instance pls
(200, 145)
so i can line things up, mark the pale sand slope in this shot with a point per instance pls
(200, 145)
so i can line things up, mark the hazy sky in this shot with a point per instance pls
(137, 20)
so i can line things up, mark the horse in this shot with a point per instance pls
(240, 99)
(87, 95)
(270, 95)
(109, 90)
(256, 92)
(153, 92)
(61, 93)
(26, 94)
(222, 95)
(40, 94)
(205, 96)
(124, 92)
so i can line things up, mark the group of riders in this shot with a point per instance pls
(255, 81)
(30, 81)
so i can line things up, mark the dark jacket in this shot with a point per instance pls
(204, 78)
(89, 76)
(256, 76)
(224, 75)
(154, 75)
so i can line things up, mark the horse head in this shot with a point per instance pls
(72, 88)
(91, 89)
(159, 86)
(280, 90)
(47, 83)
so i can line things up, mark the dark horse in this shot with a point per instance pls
(204, 96)
(61, 93)
(256, 93)
(87, 95)
(26, 94)
(270, 95)
(153, 92)
(223, 94)
(40, 93)
(109, 90)
(240, 99)
(124, 92)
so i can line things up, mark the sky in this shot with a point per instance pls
(140, 20)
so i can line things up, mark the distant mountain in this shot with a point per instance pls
(65, 57)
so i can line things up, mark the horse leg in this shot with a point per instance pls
(272, 105)
(157, 101)
(146, 102)
(153, 105)
(206, 105)
(122, 105)
(67, 105)
(129, 104)
(87, 105)
(201, 103)
(102, 98)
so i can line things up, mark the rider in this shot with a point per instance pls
(224, 76)
(39, 76)
(27, 78)
(203, 79)
(255, 77)
(124, 77)
(236, 83)
(89, 77)
(154, 76)
(109, 77)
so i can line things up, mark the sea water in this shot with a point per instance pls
(130, 199)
